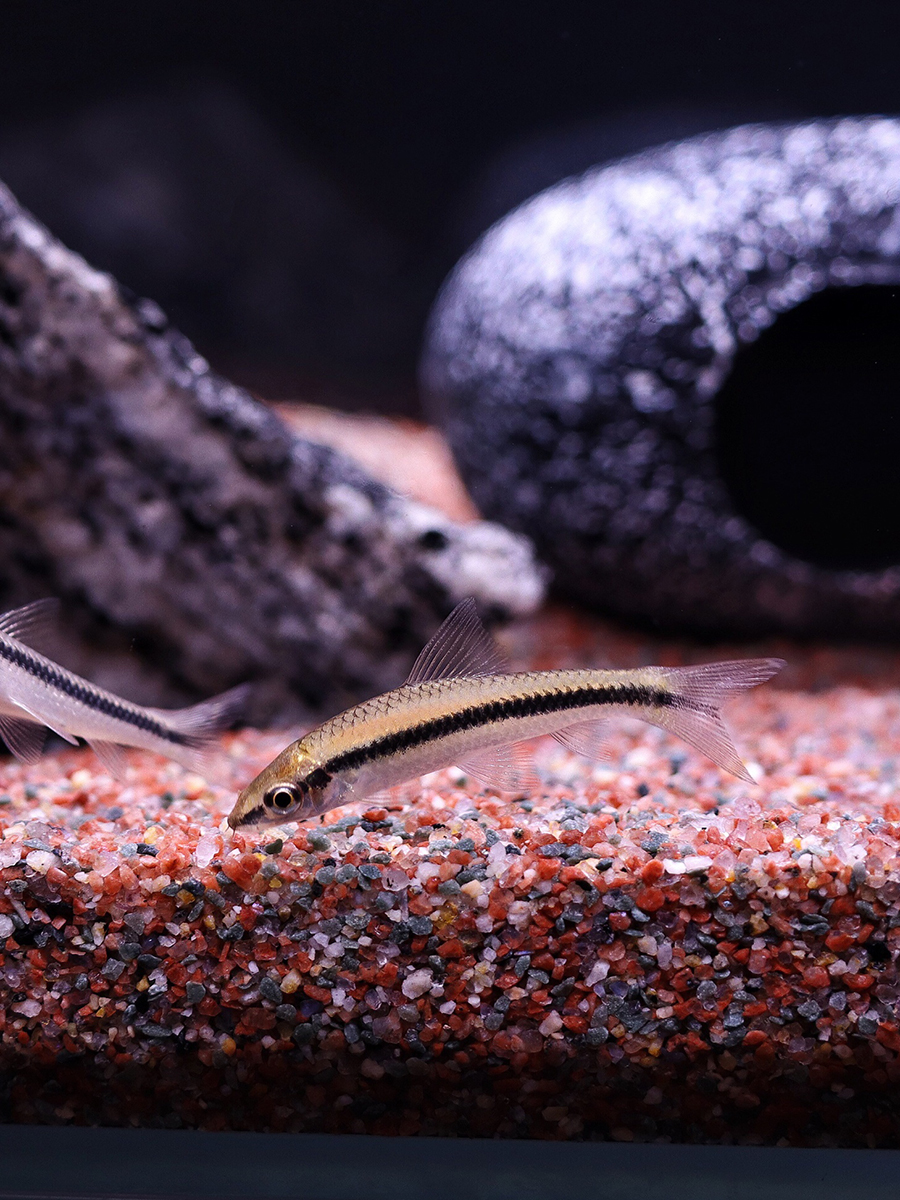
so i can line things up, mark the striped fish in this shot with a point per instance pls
(37, 694)
(461, 705)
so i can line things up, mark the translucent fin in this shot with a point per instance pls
(375, 799)
(201, 722)
(714, 683)
(506, 768)
(704, 689)
(112, 756)
(461, 647)
(24, 739)
(32, 622)
(709, 734)
(587, 738)
(42, 720)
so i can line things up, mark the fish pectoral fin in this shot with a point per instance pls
(507, 768)
(352, 796)
(31, 622)
(588, 738)
(462, 647)
(112, 756)
(42, 720)
(24, 739)
(373, 799)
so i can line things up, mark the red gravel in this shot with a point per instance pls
(645, 950)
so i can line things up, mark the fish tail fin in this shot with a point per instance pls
(200, 725)
(699, 693)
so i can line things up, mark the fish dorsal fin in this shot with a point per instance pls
(507, 768)
(32, 622)
(24, 739)
(461, 647)
(588, 738)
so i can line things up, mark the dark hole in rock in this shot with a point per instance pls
(433, 539)
(808, 429)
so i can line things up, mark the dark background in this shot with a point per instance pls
(292, 180)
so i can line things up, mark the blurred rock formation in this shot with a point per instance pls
(194, 540)
(678, 374)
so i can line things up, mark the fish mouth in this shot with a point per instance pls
(252, 816)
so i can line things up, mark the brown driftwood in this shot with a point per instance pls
(194, 540)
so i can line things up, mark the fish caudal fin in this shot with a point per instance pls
(700, 692)
(200, 725)
(203, 721)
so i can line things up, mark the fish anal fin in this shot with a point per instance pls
(31, 623)
(112, 756)
(461, 647)
(507, 768)
(588, 738)
(24, 739)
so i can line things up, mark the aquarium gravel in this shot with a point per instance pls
(644, 949)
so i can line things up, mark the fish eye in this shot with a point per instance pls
(283, 797)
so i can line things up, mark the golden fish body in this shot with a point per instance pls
(460, 706)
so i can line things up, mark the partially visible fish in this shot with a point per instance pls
(461, 705)
(36, 692)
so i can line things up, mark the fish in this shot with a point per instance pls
(37, 694)
(461, 705)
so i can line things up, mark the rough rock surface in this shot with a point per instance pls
(409, 456)
(576, 354)
(195, 540)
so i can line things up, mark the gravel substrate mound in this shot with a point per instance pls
(645, 950)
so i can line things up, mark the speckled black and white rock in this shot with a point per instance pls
(194, 540)
(575, 357)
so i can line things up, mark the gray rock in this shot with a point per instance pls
(581, 354)
(194, 540)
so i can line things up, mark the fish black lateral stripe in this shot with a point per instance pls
(72, 687)
(462, 704)
(538, 704)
